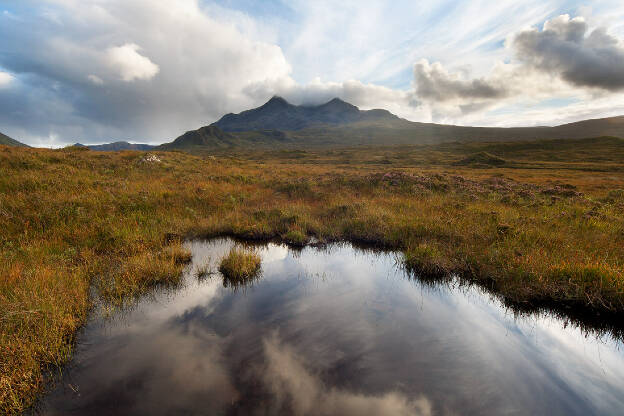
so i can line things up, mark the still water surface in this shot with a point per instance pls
(338, 331)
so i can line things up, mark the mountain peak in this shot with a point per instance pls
(279, 114)
(336, 104)
(337, 100)
(276, 100)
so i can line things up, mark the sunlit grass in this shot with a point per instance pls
(71, 220)
(240, 264)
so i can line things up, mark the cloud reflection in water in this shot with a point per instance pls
(333, 332)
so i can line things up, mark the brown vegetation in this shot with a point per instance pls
(540, 229)
(240, 265)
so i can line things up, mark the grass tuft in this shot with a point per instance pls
(240, 264)
(142, 271)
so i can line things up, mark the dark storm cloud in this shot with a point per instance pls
(564, 52)
(564, 49)
(434, 83)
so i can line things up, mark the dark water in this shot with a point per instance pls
(333, 332)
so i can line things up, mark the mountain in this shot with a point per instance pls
(279, 124)
(117, 146)
(7, 141)
(279, 114)
(208, 136)
(610, 126)
(338, 123)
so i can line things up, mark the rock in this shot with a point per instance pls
(150, 159)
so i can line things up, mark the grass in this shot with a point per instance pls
(545, 226)
(240, 265)
(139, 272)
(295, 238)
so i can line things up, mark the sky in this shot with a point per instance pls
(95, 71)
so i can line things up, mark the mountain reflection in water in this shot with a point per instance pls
(338, 331)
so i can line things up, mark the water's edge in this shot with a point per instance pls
(590, 323)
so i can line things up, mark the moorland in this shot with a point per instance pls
(537, 222)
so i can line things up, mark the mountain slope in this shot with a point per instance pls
(278, 114)
(340, 123)
(400, 131)
(610, 126)
(7, 141)
(208, 136)
(279, 124)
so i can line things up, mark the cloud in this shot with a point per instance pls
(5, 79)
(560, 61)
(290, 383)
(364, 95)
(95, 79)
(434, 82)
(139, 70)
(199, 66)
(452, 95)
(203, 64)
(564, 49)
(129, 63)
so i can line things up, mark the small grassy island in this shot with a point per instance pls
(240, 265)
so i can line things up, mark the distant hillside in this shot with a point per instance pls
(279, 124)
(338, 123)
(117, 146)
(208, 136)
(407, 132)
(278, 114)
(212, 137)
(610, 126)
(7, 141)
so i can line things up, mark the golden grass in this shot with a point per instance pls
(71, 220)
(240, 264)
(139, 272)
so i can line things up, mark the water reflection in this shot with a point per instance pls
(333, 332)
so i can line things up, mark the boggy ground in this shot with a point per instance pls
(542, 230)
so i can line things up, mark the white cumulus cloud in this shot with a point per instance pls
(5, 79)
(130, 64)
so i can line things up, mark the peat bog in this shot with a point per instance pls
(335, 330)
(543, 229)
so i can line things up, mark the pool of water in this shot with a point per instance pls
(334, 331)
